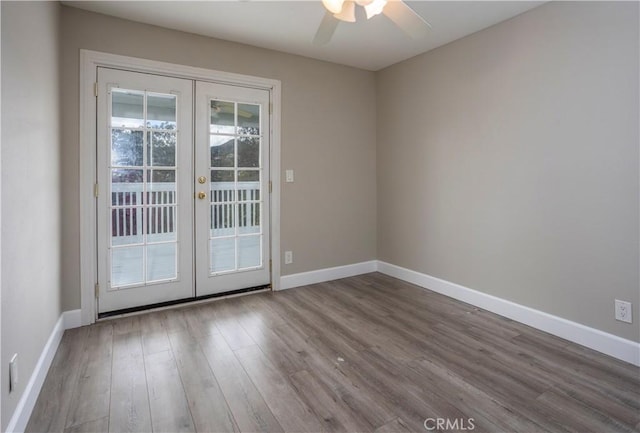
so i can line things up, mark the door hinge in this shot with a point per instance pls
(270, 265)
(270, 107)
(270, 187)
(95, 89)
(97, 288)
(95, 189)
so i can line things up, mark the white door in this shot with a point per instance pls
(159, 240)
(145, 195)
(232, 188)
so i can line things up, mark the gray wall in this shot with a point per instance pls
(328, 215)
(508, 162)
(30, 188)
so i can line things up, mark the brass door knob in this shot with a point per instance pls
(202, 179)
(202, 195)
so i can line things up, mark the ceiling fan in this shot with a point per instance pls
(344, 10)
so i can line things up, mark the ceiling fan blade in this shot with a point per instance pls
(327, 28)
(407, 19)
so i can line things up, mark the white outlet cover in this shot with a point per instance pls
(288, 257)
(623, 311)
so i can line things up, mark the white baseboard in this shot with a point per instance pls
(20, 418)
(609, 344)
(328, 274)
(72, 319)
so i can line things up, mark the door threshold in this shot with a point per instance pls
(181, 302)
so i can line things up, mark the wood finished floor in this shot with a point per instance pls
(366, 354)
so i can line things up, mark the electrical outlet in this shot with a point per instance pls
(288, 257)
(13, 373)
(623, 311)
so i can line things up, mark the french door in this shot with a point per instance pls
(232, 188)
(181, 213)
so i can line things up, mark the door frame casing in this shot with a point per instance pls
(89, 62)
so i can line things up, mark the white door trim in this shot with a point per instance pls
(89, 62)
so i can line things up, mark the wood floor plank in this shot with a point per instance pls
(290, 411)
(129, 407)
(154, 334)
(245, 401)
(201, 321)
(577, 417)
(487, 411)
(354, 394)
(54, 402)
(571, 367)
(329, 409)
(96, 426)
(174, 320)
(168, 403)
(335, 334)
(322, 357)
(395, 426)
(524, 380)
(228, 325)
(126, 325)
(627, 412)
(91, 396)
(265, 314)
(206, 400)
(373, 330)
(407, 397)
(278, 352)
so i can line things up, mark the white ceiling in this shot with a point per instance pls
(290, 26)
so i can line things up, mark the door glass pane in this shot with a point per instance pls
(161, 176)
(249, 252)
(248, 152)
(127, 176)
(127, 108)
(126, 148)
(222, 150)
(249, 176)
(223, 116)
(161, 148)
(162, 200)
(126, 225)
(144, 201)
(248, 191)
(161, 262)
(126, 209)
(222, 219)
(248, 218)
(222, 186)
(248, 119)
(127, 266)
(161, 111)
(223, 254)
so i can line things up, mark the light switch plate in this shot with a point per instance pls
(288, 176)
